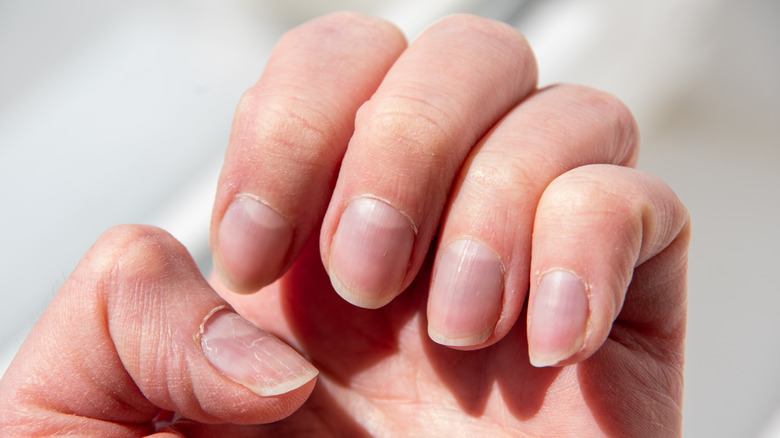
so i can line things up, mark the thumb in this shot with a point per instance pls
(136, 331)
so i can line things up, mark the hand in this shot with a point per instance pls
(525, 190)
(135, 334)
(441, 181)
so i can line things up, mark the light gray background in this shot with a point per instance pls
(117, 112)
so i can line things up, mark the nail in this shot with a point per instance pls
(465, 297)
(370, 253)
(251, 357)
(252, 244)
(558, 318)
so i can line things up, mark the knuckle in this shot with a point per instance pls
(594, 201)
(131, 253)
(301, 130)
(288, 128)
(617, 114)
(498, 175)
(413, 129)
(613, 114)
(588, 195)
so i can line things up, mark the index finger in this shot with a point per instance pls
(288, 136)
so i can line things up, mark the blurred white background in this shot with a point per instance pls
(117, 112)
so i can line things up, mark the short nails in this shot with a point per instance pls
(370, 253)
(253, 241)
(465, 298)
(559, 318)
(251, 357)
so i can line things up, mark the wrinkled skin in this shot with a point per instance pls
(542, 176)
(381, 375)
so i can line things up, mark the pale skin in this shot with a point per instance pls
(456, 251)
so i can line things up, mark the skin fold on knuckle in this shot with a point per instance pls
(280, 155)
(406, 145)
(413, 133)
(499, 175)
(594, 119)
(284, 125)
(591, 197)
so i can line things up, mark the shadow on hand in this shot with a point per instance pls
(630, 393)
(472, 375)
(340, 338)
(633, 384)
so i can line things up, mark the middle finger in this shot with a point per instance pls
(446, 90)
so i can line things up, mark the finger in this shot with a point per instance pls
(288, 137)
(598, 230)
(481, 271)
(136, 330)
(446, 90)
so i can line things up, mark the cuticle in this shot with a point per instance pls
(202, 327)
(256, 198)
(403, 213)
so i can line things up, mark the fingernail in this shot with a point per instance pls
(370, 253)
(465, 297)
(252, 357)
(253, 242)
(558, 318)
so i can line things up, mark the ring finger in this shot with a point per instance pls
(481, 271)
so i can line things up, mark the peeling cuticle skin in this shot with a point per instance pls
(251, 356)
